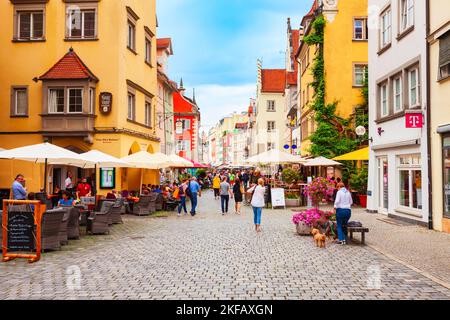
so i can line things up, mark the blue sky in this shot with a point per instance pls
(216, 44)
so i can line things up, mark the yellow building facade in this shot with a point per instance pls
(345, 59)
(439, 85)
(81, 75)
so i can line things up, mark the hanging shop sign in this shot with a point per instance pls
(105, 102)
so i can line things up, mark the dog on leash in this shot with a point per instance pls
(319, 238)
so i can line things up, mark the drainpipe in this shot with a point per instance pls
(428, 115)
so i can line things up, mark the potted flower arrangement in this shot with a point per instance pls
(319, 190)
(292, 200)
(290, 176)
(358, 182)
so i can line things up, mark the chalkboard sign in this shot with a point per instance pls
(21, 231)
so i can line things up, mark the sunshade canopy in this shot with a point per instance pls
(145, 160)
(321, 162)
(361, 154)
(196, 164)
(179, 162)
(95, 157)
(275, 156)
(39, 153)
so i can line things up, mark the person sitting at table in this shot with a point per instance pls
(111, 195)
(56, 196)
(157, 189)
(66, 200)
(125, 194)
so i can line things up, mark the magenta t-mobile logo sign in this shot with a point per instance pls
(414, 120)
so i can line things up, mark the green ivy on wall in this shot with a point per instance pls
(334, 134)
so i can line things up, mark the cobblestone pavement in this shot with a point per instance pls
(211, 256)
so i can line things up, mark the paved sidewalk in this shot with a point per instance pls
(417, 246)
(211, 256)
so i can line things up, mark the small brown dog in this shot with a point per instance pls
(320, 240)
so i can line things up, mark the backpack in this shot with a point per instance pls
(188, 190)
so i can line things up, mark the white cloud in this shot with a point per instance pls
(217, 101)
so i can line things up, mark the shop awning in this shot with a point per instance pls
(361, 154)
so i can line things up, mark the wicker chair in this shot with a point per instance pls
(152, 205)
(98, 222)
(50, 226)
(142, 207)
(63, 239)
(116, 211)
(159, 202)
(73, 227)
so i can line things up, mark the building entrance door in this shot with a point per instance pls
(383, 185)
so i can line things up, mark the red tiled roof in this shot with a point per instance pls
(241, 125)
(69, 67)
(273, 80)
(291, 78)
(314, 7)
(164, 43)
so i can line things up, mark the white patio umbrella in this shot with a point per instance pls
(95, 158)
(321, 162)
(275, 156)
(145, 160)
(179, 162)
(43, 153)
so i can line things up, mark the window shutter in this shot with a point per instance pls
(444, 49)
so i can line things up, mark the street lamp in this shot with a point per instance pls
(291, 125)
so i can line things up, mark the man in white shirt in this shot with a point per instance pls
(68, 183)
(342, 208)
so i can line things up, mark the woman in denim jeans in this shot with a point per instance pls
(342, 208)
(258, 202)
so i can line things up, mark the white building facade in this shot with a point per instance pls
(398, 166)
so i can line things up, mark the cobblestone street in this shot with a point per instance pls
(211, 256)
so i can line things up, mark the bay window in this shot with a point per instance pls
(56, 101)
(75, 101)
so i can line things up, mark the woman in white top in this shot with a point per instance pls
(342, 207)
(258, 202)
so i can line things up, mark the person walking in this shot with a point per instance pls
(216, 186)
(225, 193)
(18, 190)
(257, 202)
(342, 209)
(238, 190)
(195, 192)
(182, 195)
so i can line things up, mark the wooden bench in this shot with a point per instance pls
(362, 230)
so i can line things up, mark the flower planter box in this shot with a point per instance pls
(303, 229)
(363, 200)
(292, 202)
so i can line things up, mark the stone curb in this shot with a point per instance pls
(423, 273)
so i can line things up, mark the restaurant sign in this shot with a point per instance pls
(105, 102)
